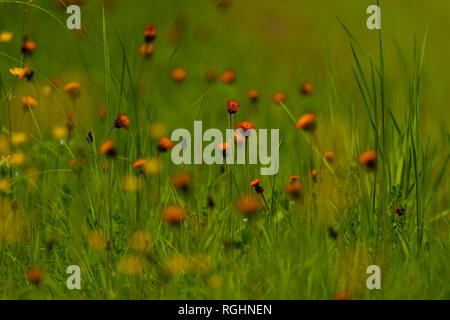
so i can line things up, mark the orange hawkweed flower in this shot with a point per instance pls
(28, 46)
(164, 144)
(228, 76)
(247, 204)
(341, 296)
(278, 97)
(150, 33)
(107, 148)
(294, 177)
(253, 95)
(307, 88)
(146, 50)
(246, 125)
(233, 106)
(224, 147)
(329, 155)
(256, 184)
(368, 158)
(102, 111)
(139, 163)
(178, 74)
(26, 72)
(181, 180)
(293, 187)
(210, 74)
(35, 275)
(28, 101)
(174, 214)
(73, 89)
(306, 122)
(122, 121)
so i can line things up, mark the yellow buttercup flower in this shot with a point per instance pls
(141, 241)
(6, 36)
(16, 71)
(17, 158)
(130, 183)
(60, 132)
(130, 265)
(5, 185)
(18, 138)
(96, 240)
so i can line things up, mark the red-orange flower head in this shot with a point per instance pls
(368, 158)
(253, 95)
(122, 121)
(150, 33)
(233, 106)
(307, 122)
(164, 144)
(224, 147)
(245, 125)
(279, 97)
(28, 46)
(256, 184)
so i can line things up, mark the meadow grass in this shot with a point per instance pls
(103, 215)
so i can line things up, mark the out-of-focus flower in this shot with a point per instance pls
(178, 264)
(157, 129)
(210, 74)
(17, 158)
(59, 132)
(35, 275)
(102, 112)
(28, 101)
(368, 159)
(247, 204)
(307, 88)
(73, 89)
(253, 95)
(174, 214)
(164, 144)
(150, 33)
(245, 125)
(5, 184)
(146, 50)
(181, 180)
(178, 74)
(130, 265)
(6, 36)
(96, 240)
(215, 281)
(122, 121)
(228, 76)
(18, 138)
(28, 46)
(342, 295)
(329, 156)
(151, 166)
(107, 148)
(130, 183)
(141, 241)
(278, 97)
(307, 122)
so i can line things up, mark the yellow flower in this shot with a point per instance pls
(201, 263)
(60, 132)
(215, 281)
(131, 183)
(141, 241)
(6, 36)
(17, 158)
(151, 166)
(157, 129)
(16, 71)
(5, 185)
(11, 221)
(96, 240)
(18, 138)
(178, 264)
(130, 265)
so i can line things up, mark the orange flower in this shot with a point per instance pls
(258, 187)
(122, 121)
(253, 95)
(174, 214)
(26, 72)
(35, 275)
(178, 74)
(329, 155)
(294, 187)
(224, 147)
(294, 177)
(306, 122)
(228, 76)
(245, 125)
(107, 148)
(210, 74)
(73, 89)
(102, 112)
(368, 158)
(341, 296)
(164, 144)
(139, 163)
(307, 88)
(28, 101)
(181, 180)
(247, 204)
(233, 106)
(278, 97)
(150, 33)
(146, 50)
(28, 46)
